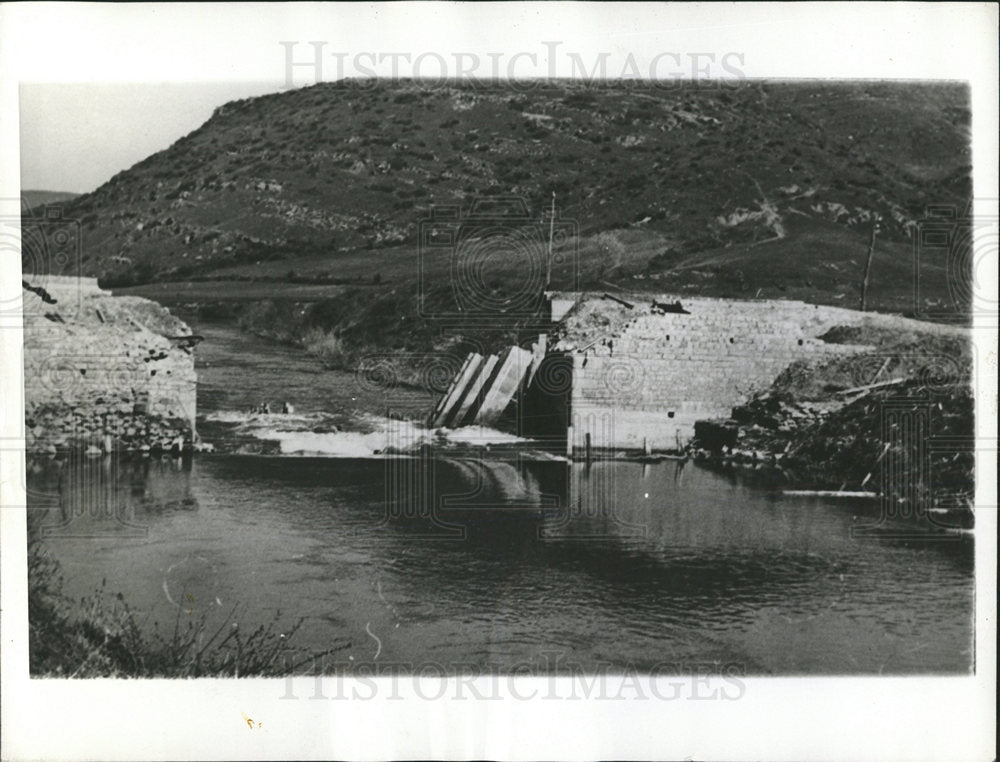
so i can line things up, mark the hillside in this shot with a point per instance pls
(320, 172)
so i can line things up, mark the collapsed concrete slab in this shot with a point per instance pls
(500, 389)
(473, 392)
(456, 390)
(482, 389)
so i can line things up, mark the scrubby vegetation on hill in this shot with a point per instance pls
(337, 167)
(744, 190)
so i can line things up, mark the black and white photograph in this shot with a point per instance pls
(431, 358)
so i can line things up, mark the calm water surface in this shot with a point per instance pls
(468, 557)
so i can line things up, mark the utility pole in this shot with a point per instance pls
(552, 227)
(868, 263)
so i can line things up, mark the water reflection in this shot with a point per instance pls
(491, 560)
(113, 495)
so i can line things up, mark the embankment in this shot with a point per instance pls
(389, 328)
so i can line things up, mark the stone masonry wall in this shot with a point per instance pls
(652, 375)
(106, 355)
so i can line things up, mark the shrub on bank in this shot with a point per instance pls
(328, 347)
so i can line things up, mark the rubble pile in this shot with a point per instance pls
(592, 323)
(874, 441)
(864, 422)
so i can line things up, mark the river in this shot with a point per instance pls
(473, 551)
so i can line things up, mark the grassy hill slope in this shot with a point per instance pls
(339, 167)
(752, 189)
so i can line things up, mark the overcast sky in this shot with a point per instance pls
(76, 137)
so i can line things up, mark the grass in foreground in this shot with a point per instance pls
(102, 636)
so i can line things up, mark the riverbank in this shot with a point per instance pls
(407, 331)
